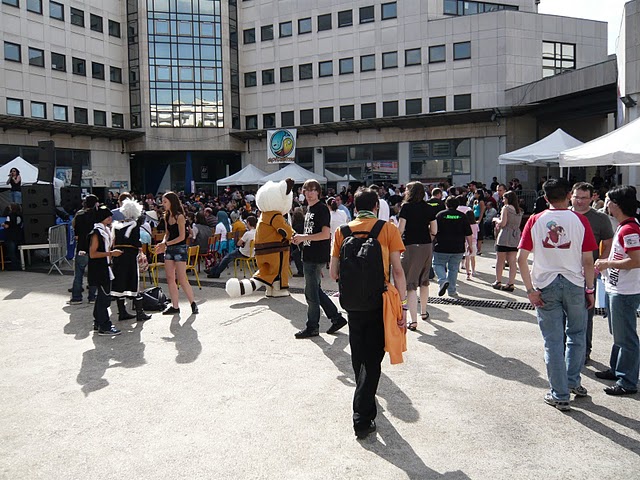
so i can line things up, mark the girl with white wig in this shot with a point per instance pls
(125, 268)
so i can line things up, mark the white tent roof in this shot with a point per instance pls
(294, 171)
(249, 175)
(543, 151)
(28, 172)
(620, 147)
(332, 177)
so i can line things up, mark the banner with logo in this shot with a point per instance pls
(281, 145)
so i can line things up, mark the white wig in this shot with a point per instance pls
(131, 209)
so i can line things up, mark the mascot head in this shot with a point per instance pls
(275, 196)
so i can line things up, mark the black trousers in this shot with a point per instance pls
(366, 338)
(101, 307)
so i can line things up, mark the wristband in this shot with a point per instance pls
(530, 290)
(589, 291)
(404, 302)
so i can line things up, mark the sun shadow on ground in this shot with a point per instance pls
(185, 338)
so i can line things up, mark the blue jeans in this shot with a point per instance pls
(622, 315)
(446, 266)
(16, 197)
(316, 297)
(562, 297)
(81, 262)
(230, 257)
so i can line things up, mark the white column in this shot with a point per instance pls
(404, 163)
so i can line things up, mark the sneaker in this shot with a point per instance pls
(171, 310)
(454, 295)
(194, 308)
(111, 332)
(562, 405)
(362, 433)
(74, 302)
(618, 390)
(92, 300)
(579, 391)
(606, 375)
(337, 325)
(306, 334)
(443, 289)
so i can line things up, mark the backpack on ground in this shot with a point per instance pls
(154, 299)
(361, 281)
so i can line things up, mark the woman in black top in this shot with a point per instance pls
(15, 181)
(174, 247)
(417, 224)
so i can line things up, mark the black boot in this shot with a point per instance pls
(140, 315)
(122, 311)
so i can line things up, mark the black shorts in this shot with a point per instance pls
(500, 248)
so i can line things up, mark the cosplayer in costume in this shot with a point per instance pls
(272, 243)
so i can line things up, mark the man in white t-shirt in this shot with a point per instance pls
(383, 212)
(243, 250)
(561, 281)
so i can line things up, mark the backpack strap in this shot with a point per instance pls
(345, 231)
(377, 228)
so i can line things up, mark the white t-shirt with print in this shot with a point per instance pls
(626, 239)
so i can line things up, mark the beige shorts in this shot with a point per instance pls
(416, 263)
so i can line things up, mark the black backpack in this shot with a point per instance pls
(361, 281)
(154, 299)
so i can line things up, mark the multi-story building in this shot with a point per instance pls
(381, 90)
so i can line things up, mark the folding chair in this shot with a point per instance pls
(246, 262)
(154, 266)
(192, 262)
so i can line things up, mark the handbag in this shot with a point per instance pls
(143, 263)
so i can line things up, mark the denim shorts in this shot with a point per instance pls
(177, 253)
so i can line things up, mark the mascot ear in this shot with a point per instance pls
(290, 184)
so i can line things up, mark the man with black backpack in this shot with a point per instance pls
(362, 253)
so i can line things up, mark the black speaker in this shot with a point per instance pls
(36, 228)
(37, 199)
(76, 171)
(46, 160)
(70, 199)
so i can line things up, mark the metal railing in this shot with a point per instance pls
(58, 247)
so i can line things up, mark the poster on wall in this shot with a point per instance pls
(281, 145)
(64, 174)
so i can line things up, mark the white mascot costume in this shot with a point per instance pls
(272, 243)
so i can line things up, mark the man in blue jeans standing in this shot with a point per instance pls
(560, 282)
(82, 225)
(449, 245)
(316, 242)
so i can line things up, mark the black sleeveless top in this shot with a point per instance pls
(15, 186)
(174, 232)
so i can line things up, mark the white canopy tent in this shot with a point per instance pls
(332, 177)
(249, 175)
(542, 152)
(620, 147)
(294, 171)
(28, 172)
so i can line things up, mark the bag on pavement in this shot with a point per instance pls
(154, 299)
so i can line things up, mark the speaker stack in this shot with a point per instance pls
(38, 207)
(71, 197)
(46, 161)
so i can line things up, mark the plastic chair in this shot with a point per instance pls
(246, 262)
(154, 266)
(192, 262)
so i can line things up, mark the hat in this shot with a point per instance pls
(103, 213)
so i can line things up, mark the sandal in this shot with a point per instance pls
(412, 326)
(496, 285)
(425, 316)
(508, 288)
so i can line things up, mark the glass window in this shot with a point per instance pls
(437, 104)
(36, 57)
(437, 54)
(287, 119)
(413, 106)
(184, 28)
(390, 60)
(268, 120)
(95, 23)
(13, 3)
(324, 22)
(114, 29)
(390, 109)
(389, 10)
(251, 122)
(326, 115)
(286, 29)
(345, 18)
(97, 70)
(325, 68)
(117, 120)
(368, 110)
(81, 115)
(58, 62)
(266, 32)
(38, 110)
(268, 77)
(347, 112)
(77, 17)
(305, 71)
(56, 10)
(367, 63)
(557, 57)
(367, 14)
(450, 7)
(306, 117)
(412, 57)
(462, 50)
(78, 66)
(115, 74)
(100, 118)
(250, 79)
(286, 74)
(249, 35)
(14, 107)
(346, 65)
(12, 52)
(34, 6)
(462, 102)
(60, 113)
(304, 25)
